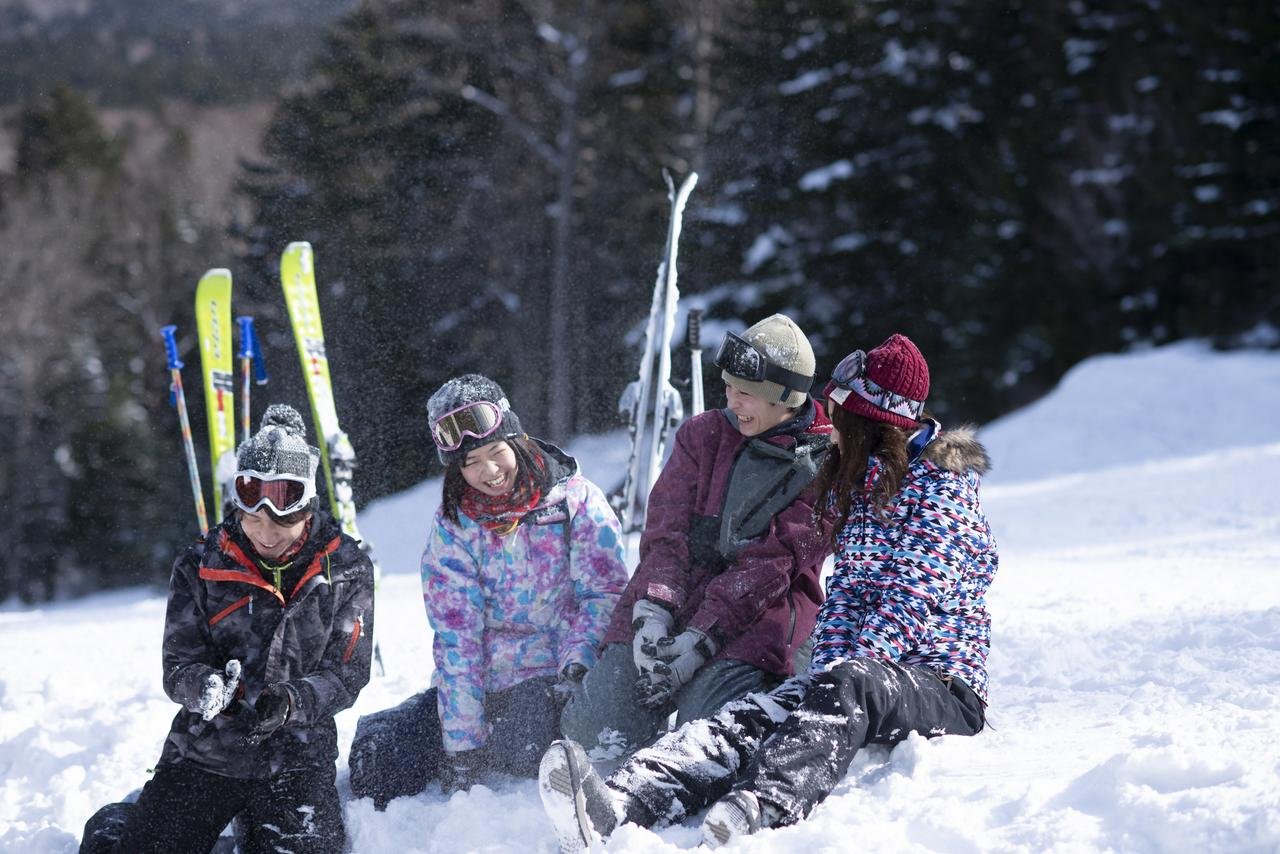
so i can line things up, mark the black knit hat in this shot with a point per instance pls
(457, 393)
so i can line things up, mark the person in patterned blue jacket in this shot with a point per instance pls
(900, 645)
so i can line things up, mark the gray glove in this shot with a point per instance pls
(651, 622)
(679, 658)
(218, 691)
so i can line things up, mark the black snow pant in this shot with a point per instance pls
(791, 747)
(184, 809)
(399, 751)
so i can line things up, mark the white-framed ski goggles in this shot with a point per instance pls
(850, 376)
(478, 419)
(281, 493)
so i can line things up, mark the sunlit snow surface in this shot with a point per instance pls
(1135, 674)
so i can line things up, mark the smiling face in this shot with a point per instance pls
(269, 538)
(491, 469)
(755, 414)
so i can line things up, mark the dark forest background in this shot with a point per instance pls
(1015, 185)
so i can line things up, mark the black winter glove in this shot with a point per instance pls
(462, 770)
(272, 709)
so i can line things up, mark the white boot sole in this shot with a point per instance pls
(564, 803)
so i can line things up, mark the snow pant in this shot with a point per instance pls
(399, 751)
(605, 717)
(791, 747)
(184, 809)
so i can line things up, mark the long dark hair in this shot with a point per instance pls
(843, 476)
(526, 451)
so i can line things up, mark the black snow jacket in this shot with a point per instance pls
(315, 638)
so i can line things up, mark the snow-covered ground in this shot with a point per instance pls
(1135, 699)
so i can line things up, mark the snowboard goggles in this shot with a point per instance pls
(479, 420)
(851, 376)
(282, 493)
(742, 359)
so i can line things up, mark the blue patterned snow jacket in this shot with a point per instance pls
(912, 588)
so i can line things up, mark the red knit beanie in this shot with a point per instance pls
(892, 386)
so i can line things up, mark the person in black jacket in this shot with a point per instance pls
(267, 636)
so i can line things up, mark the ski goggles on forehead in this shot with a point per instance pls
(478, 420)
(850, 376)
(282, 493)
(742, 359)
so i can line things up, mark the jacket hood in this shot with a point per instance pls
(560, 467)
(958, 450)
(810, 421)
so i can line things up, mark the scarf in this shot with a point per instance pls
(502, 514)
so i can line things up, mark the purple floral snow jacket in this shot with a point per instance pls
(761, 605)
(507, 609)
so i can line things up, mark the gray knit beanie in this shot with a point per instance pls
(280, 445)
(457, 393)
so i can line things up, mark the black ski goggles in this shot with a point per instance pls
(282, 493)
(742, 359)
(479, 420)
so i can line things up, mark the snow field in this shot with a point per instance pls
(1135, 669)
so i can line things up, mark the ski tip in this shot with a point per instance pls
(298, 246)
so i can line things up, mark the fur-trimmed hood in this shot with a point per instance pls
(958, 450)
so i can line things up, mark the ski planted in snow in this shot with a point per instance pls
(650, 404)
(213, 323)
(298, 278)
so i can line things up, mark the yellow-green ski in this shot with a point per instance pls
(298, 277)
(213, 323)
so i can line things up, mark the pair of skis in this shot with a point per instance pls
(651, 404)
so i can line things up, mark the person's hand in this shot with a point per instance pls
(272, 709)
(679, 658)
(650, 621)
(218, 691)
(571, 676)
(462, 770)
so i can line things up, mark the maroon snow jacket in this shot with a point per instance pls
(760, 602)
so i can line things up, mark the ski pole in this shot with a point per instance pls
(250, 354)
(179, 400)
(693, 337)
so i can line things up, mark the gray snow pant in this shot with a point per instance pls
(604, 716)
(791, 747)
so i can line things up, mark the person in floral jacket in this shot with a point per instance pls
(900, 645)
(521, 572)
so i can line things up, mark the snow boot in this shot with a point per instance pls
(735, 815)
(580, 806)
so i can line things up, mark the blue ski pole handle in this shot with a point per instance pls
(250, 350)
(169, 333)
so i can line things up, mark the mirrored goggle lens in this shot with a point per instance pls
(478, 420)
(850, 368)
(285, 496)
(740, 359)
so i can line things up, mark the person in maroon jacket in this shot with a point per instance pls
(727, 588)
